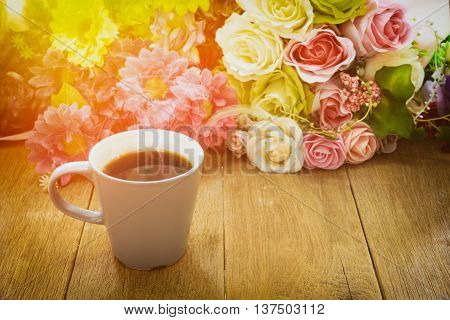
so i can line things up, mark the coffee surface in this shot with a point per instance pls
(149, 165)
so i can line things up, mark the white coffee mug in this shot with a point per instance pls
(147, 221)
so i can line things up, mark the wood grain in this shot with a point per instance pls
(37, 243)
(254, 235)
(294, 237)
(198, 275)
(403, 200)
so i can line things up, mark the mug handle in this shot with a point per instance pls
(79, 167)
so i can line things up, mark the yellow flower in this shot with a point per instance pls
(83, 29)
(181, 6)
(18, 41)
(132, 16)
(38, 11)
(175, 33)
(20, 44)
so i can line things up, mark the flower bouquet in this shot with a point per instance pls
(291, 84)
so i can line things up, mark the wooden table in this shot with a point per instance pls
(372, 231)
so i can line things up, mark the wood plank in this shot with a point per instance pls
(294, 236)
(403, 200)
(198, 275)
(38, 243)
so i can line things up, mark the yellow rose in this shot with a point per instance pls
(274, 145)
(282, 93)
(291, 20)
(249, 51)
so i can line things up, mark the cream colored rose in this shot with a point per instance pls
(249, 51)
(274, 145)
(291, 20)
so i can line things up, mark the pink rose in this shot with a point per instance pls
(329, 106)
(320, 56)
(383, 28)
(360, 143)
(321, 152)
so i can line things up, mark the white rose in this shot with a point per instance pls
(394, 59)
(274, 145)
(249, 51)
(291, 20)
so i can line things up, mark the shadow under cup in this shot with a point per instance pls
(148, 222)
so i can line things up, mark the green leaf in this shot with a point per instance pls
(68, 95)
(391, 115)
(396, 81)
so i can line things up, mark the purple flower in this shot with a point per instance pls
(441, 101)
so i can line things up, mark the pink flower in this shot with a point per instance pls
(200, 94)
(49, 77)
(147, 84)
(320, 56)
(383, 28)
(61, 135)
(103, 84)
(321, 152)
(360, 143)
(102, 93)
(215, 134)
(359, 93)
(152, 72)
(329, 106)
(17, 108)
